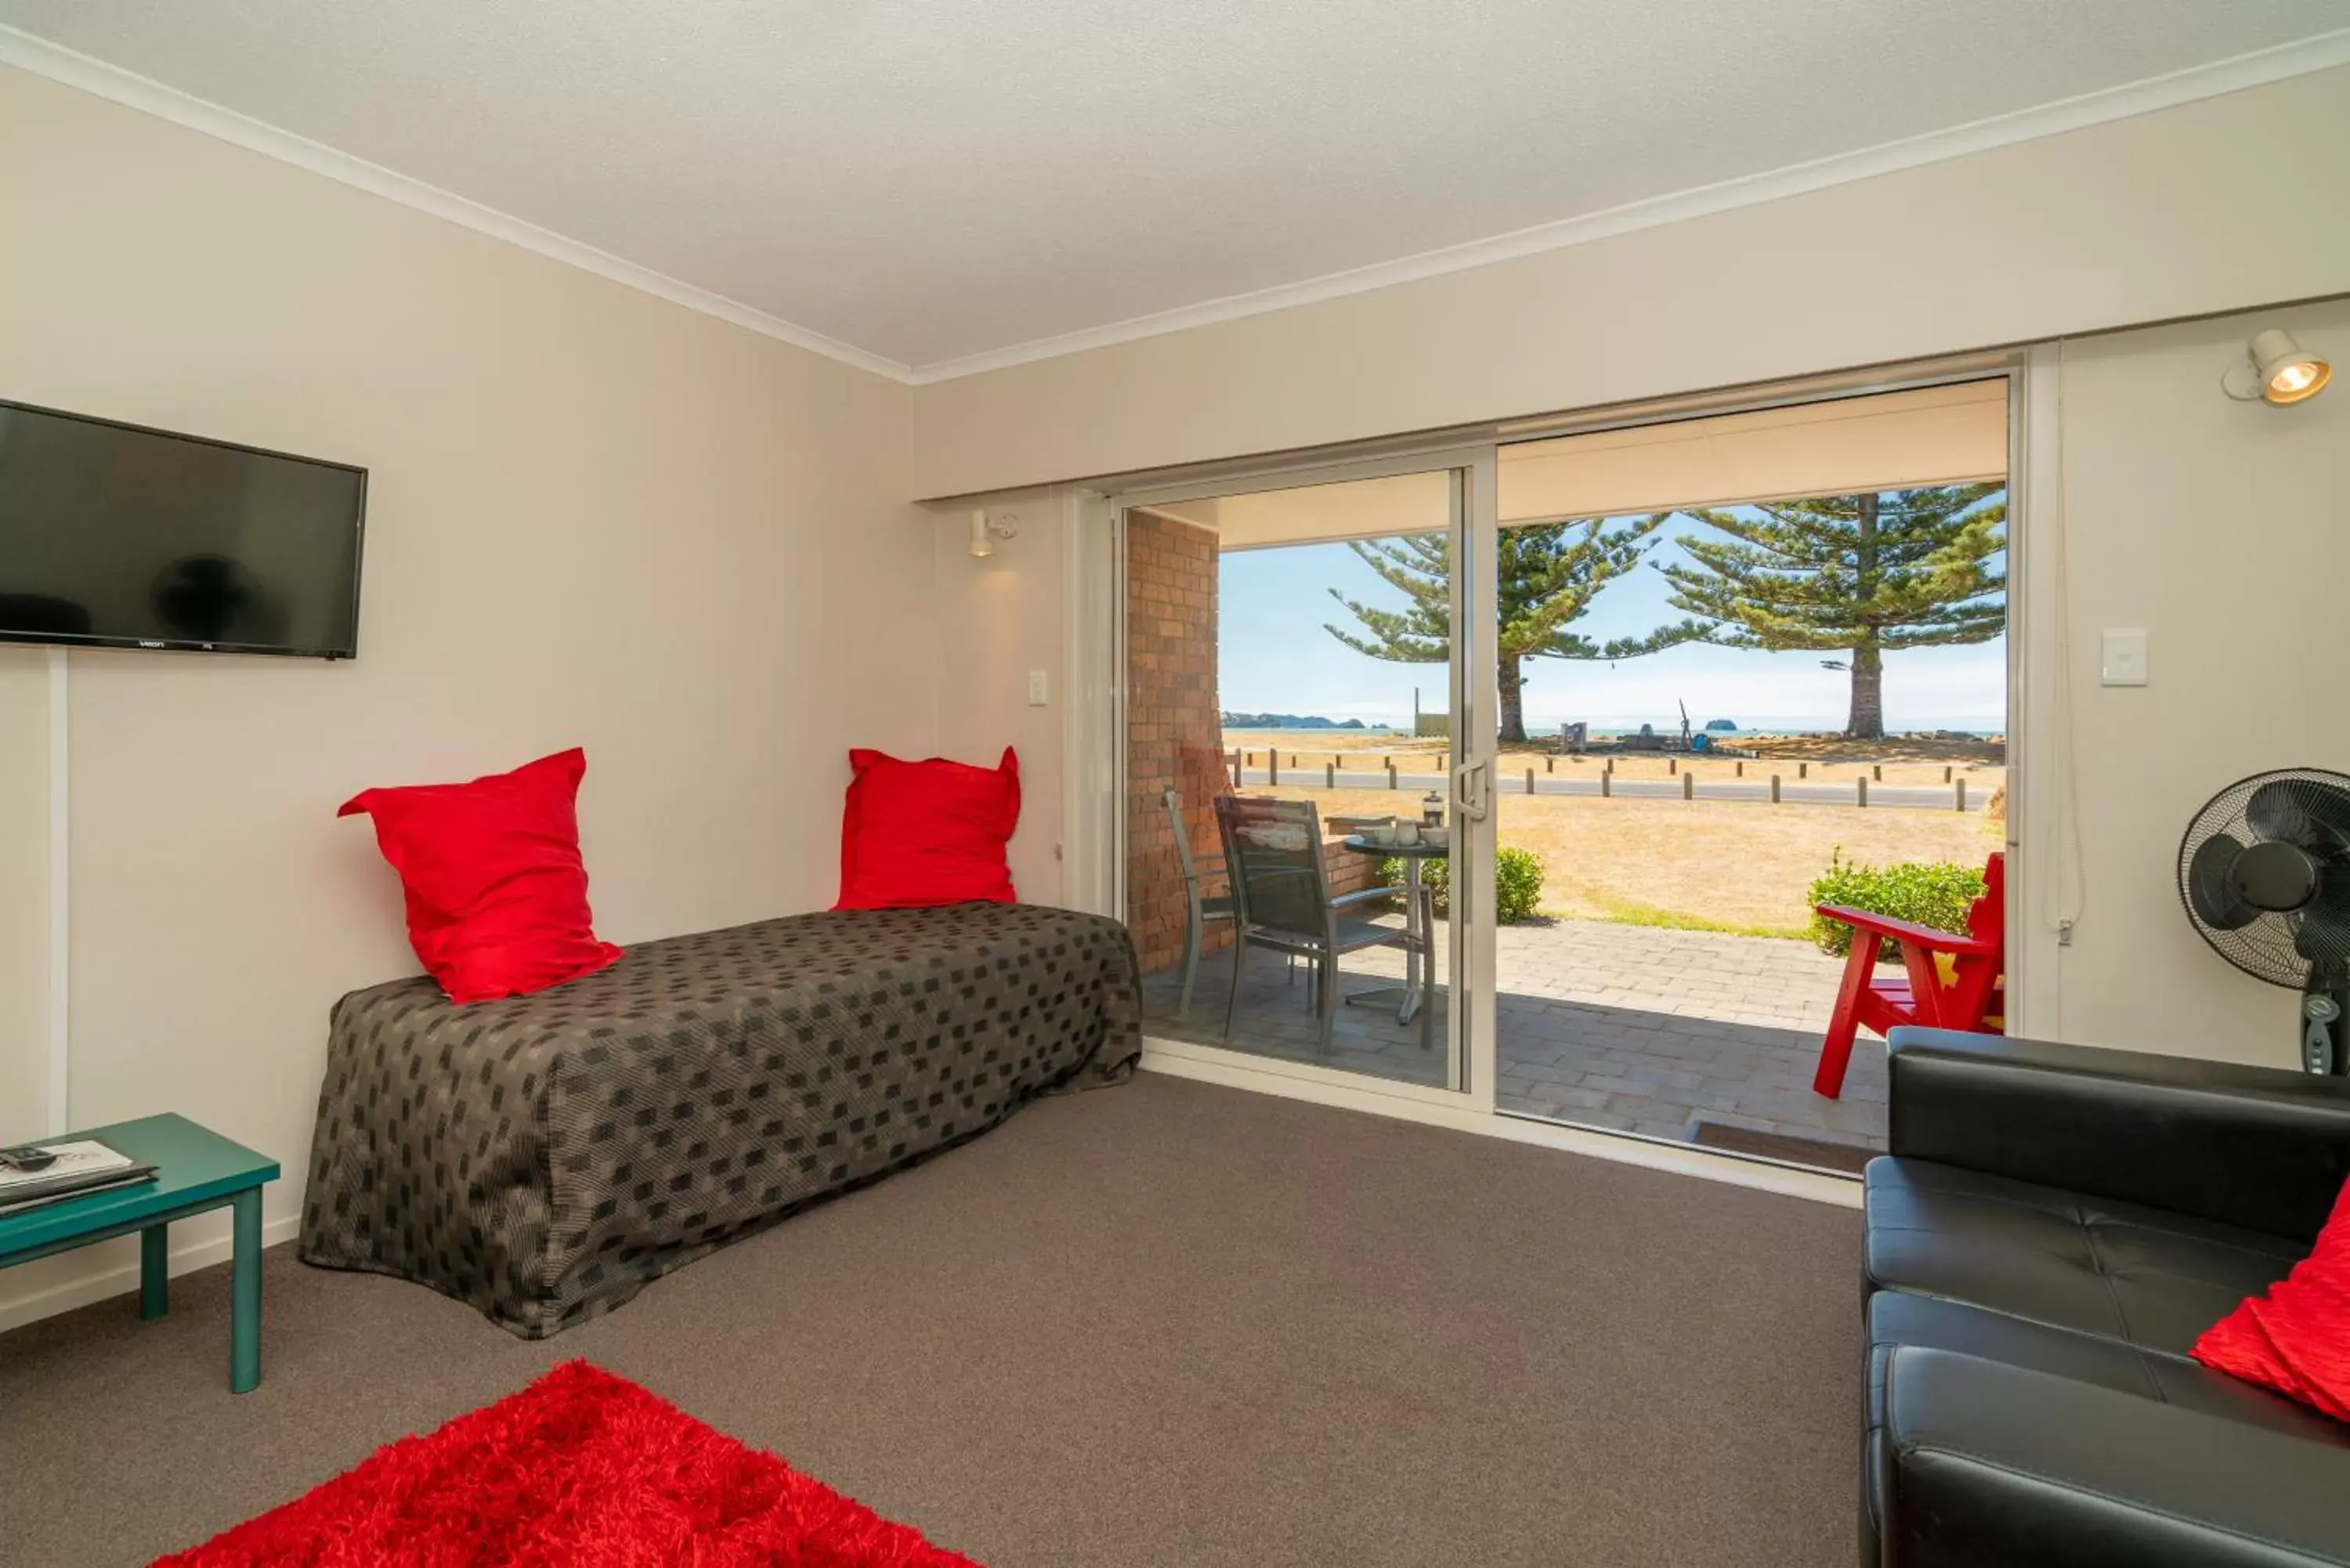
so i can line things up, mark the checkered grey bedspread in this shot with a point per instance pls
(543, 1157)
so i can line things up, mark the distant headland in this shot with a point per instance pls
(1289, 721)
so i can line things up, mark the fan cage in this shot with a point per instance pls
(2268, 948)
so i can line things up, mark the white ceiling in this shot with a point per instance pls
(954, 184)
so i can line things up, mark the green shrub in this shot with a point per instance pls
(1926, 893)
(1517, 883)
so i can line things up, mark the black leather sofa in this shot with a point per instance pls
(2053, 1228)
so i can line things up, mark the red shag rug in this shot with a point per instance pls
(581, 1470)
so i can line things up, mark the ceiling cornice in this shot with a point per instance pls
(41, 58)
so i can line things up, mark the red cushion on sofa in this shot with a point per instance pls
(916, 834)
(497, 896)
(2296, 1338)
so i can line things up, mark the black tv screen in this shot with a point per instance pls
(111, 536)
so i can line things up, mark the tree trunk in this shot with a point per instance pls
(1867, 720)
(1514, 711)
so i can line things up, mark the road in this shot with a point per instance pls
(1792, 792)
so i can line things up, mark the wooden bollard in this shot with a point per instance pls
(1946, 774)
(1672, 766)
(1550, 764)
(1688, 786)
(1272, 768)
(1530, 781)
(1962, 793)
(1391, 776)
(1741, 769)
(1876, 772)
(1861, 783)
(1802, 770)
(1608, 782)
(1330, 776)
(1775, 789)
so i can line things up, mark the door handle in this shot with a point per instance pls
(1471, 783)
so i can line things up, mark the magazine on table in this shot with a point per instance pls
(35, 1174)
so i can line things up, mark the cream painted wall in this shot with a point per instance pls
(594, 518)
(2215, 205)
(993, 622)
(23, 893)
(2223, 530)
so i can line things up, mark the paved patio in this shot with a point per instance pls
(1692, 1035)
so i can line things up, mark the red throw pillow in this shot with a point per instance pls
(497, 896)
(2296, 1338)
(916, 833)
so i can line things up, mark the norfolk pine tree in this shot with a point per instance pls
(1867, 575)
(1546, 574)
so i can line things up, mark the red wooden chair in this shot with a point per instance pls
(1949, 982)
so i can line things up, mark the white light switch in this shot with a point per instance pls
(1038, 694)
(2122, 661)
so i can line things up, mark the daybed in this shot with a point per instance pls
(542, 1157)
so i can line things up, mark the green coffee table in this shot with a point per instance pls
(196, 1172)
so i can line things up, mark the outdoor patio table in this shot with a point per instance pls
(1417, 994)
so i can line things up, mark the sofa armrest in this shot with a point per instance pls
(2253, 1147)
(1980, 1462)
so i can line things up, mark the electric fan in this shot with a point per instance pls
(2265, 871)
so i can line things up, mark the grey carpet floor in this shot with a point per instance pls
(1165, 1325)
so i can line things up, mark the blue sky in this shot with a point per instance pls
(1275, 657)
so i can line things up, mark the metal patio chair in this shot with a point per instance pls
(1282, 901)
(1199, 906)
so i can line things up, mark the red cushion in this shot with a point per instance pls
(915, 834)
(2296, 1338)
(497, 896)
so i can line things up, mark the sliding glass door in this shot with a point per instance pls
(1296, 867)
(1523, 757)
(1743, 663)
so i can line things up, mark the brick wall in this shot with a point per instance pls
(1175, 735)
(1174, 724)
(1348, 871)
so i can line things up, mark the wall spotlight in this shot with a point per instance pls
(2276, 369)
(985, 532)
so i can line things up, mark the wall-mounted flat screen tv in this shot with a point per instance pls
(116, 536)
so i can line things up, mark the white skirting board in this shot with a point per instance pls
(120, 1277)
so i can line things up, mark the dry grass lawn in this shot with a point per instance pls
(1703, 865)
